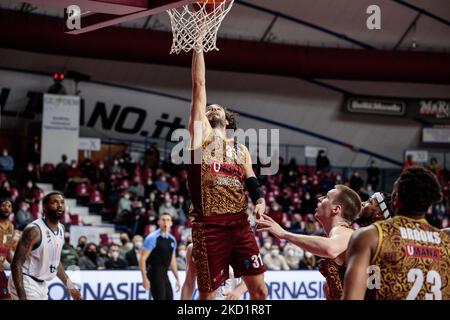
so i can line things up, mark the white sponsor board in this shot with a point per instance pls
(60, 128)
(436, 135)
(89, 144)
(127, 285)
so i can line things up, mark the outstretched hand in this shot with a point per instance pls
(259, 210)
(268, 224)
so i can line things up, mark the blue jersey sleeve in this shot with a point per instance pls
(150, 242)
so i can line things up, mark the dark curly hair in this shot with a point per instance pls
(231, 118)
(417, 189)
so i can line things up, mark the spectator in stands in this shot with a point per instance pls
(61, 172)
(267, 245)
(6, 190)
(29, 193)
(115, 262)
(293, 254)
(137, 188)
(274, 260)
(309, 262)
(34, 150)
(6, 162)
(69, 256)
(168, 208)
(91, 260)
(276, 213)
(133, 255)
(162, 185)
(181, 257)
(102, 176)
(30, 174)
(435, 167)
(373, 175)
(124, 209)
(308, 204)
(126, 245)
(322, 162)
(23, 215)
(82, 240)
(74, 177)
(116, 169)
(152, 157)
(409, 162)
(89, 170)
(356, 182)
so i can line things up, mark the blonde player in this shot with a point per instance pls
(38, 254)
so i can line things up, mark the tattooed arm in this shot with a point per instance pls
(30, 237)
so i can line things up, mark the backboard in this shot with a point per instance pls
(96, 14)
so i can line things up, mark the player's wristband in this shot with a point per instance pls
(254, 189)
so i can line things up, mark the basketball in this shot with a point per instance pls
(211, 5)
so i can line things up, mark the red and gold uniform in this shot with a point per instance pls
(6, 243)
(413, 258)
(221, 233)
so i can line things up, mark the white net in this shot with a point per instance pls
(195, 26)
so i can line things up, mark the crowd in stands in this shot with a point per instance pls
(131, 194)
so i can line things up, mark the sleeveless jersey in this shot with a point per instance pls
(6, 241)
(413, 258)
(43, 261)
(334, 274)
(216, 181)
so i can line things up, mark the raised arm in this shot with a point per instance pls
(198, 123)
(30, 237)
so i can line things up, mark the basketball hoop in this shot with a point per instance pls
(195, 26)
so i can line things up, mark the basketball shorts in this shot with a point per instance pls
(221, 241)
(33, 289)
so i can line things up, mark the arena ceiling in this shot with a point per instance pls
(416, 32)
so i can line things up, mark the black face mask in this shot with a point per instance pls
(4, 215)
(124, 241)
(92, 255)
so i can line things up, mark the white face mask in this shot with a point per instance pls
(127, 196)
(267, 245)
(29, 185)
(115, 255)
(138, 245)
(5, 153)
(182, 254)
(275, 252)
